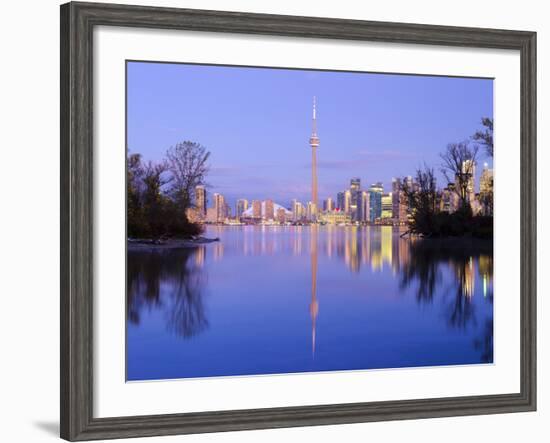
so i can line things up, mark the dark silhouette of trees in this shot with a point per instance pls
(485, 136)
(159, 193)
(422, 198)
(458, 166)
(134, 183)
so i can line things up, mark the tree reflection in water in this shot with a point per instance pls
(430, 258)
(442, 272)
(168, 280)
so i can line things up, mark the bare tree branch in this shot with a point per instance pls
(458, 165)
(188, 165)
(485, 137)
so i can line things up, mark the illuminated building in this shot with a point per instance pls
(311, 211)
(468, 172)
(375, 198)
(399, 205)
(365, 206)
(281, 215)
(486, 190)
(347, 202)
(256, 209)
(200, 200)
(328, 204)
(211, 215)
(220, 207)
(263, 212)
(355, 198)
(297, 210)
(387, 206)
(340, 201)
(269, 210)
(194, 216)
(242, 205)
(314, 143)
(450, 200)
(335, 217)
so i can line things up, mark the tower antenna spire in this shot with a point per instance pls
(314, 144)
(314, 132)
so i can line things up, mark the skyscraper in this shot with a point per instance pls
(328, 204)
(486, 190)
(311, 211)
(355, 189)
(297, 210)
(256, 209)
(242, 205)
(340, 200)
(375, 198)
(399, 205)
(486, 180)
(365, 206)
(281, 215)
(387, 206)
(314, 143)
(469, 170)
(200, 200)
(347, 202)
(269, 210)
(220, 207)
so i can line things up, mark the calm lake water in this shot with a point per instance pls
(275, 299)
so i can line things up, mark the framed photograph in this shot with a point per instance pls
(272, 221)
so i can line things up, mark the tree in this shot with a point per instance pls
(159, 193)
(187, 163)
(422, 198)
(134, 183)
(485, 136)
(154, 202)
(458, 163)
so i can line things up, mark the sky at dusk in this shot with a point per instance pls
(256, 123)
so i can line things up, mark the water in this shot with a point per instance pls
(290, 299)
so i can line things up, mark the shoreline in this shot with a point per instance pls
(145, 244)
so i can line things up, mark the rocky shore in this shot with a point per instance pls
(145, 244)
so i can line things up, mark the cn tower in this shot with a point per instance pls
(314, 143)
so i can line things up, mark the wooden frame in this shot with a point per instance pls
(77, 24)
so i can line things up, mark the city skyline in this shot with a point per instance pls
(260, 168)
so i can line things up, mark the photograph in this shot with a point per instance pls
(284, 220)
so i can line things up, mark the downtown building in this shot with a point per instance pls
(241, 206)
(399, 203)
(376, 191)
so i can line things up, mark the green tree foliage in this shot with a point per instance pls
(159, 194)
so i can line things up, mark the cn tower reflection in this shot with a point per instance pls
(314, 305)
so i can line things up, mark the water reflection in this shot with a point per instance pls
(374, 287)
(170, 281)
(314, 305)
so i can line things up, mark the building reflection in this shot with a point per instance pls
(485, 267)
(377, 248)
(314, 304)
(199, 256)
(173, 281)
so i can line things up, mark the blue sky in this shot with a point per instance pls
(256, 123)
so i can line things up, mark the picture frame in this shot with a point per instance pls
(78, 21)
